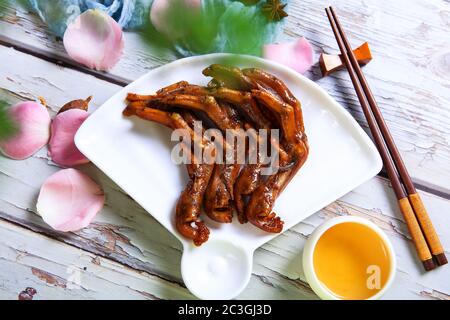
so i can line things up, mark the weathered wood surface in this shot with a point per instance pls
(134, 248)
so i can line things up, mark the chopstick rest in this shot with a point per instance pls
(330, 63)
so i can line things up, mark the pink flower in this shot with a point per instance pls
(62, 147)
(95, 40)
(162, 15)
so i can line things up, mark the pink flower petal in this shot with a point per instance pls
(161, 11)
(95, 40)
(33, 123)
(298, 55)
(69, 200)
(62, 147)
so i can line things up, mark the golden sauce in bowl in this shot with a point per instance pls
(352, 261)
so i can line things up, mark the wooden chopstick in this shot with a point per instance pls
(422, 216)
(404, 202)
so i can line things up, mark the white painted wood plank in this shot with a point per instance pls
(125, 233)
(409, 74)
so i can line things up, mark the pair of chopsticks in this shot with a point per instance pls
(423, 234)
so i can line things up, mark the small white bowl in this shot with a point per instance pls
(308, 255)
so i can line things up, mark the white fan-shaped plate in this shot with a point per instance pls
(136, 155)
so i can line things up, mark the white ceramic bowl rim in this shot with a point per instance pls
(308, 255)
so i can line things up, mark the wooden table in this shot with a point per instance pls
(126, 254)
